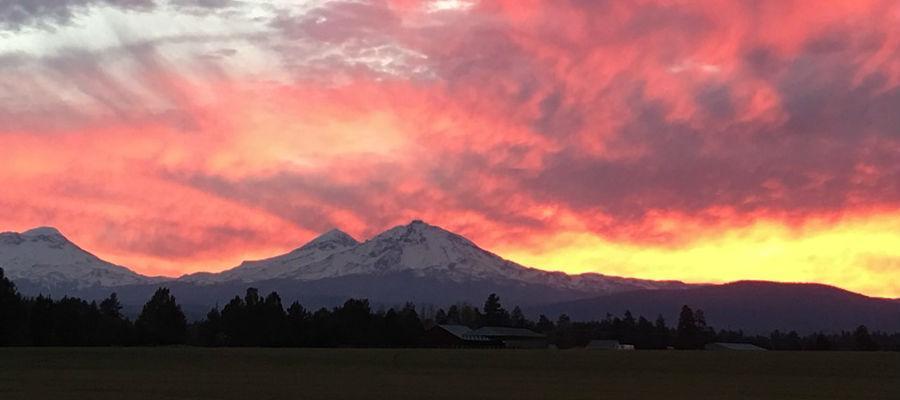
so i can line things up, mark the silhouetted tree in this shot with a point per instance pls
(863, 340)
(353, 323)
(298, 325)
(517, 318)
(12, 313)
(210, 331)
(470, 316)
(544, 324)
(161, 321)
(440, 317)
(408, 327)
(273, 321)
(686, 336)
(660, 333)
(494, 313)
(257, 321)
(114, 328)
(564, 335)
(822, 343)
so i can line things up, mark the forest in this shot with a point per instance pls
(254, 320)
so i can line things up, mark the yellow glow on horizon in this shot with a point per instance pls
(861, 255)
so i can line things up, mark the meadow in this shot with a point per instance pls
(254, 373)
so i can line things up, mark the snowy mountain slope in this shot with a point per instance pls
(417, 261)
(282, 266)
(420, 250)
(44, 258)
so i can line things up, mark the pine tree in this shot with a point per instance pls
(686, 337)
(863, 340)
(161, 321)
(111, 307)
(544, 324)
(494, 314)
(517, 318)
(12, 312)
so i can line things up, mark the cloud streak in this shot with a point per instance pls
(605, 128)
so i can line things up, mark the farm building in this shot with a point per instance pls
(733, 347)
(514, 338)
(608, 345)
(456, 336)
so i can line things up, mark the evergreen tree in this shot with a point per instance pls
(235, 324)
(863, 340)
(564, 334)
(12, 312)
(705, 333)
(470, 316)
(114, 329)
(453, 315)
(298, 325)
(544, 324)
(110, 307)
(161, 321)
(494, 313)
(274, 321)
(660, 333)
(686, 336)
(353, 323)
(821, 343)
(210, 330)
(411, 327)
(440, 317)
(517, 318)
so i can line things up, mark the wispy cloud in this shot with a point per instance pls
(627, 125)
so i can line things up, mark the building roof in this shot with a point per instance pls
(502, 331)
(735, 346)
(464, 332)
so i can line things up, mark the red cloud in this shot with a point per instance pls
(648, 123)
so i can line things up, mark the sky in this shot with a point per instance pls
(705, 141)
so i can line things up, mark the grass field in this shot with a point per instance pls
(194, 373)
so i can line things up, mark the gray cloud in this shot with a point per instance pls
(45, 14)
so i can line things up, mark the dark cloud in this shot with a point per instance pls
(16, 14)
(206, 4)
(204, 7)
(342, 21)
(622, 133)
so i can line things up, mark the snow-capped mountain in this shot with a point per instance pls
(417, 249)
(417, 262)
(44, 258)
(283, 266)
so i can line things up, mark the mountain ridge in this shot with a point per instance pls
(750, 305)
(418, 248)
(429, 265)
(44, 257)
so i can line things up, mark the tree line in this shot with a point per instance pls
(256, 320)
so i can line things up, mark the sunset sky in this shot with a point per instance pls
(705, 141)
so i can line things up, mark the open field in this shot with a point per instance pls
(196, 373)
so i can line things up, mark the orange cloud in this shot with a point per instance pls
(705, 141)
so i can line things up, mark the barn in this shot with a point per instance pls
(721, 346)
(456, 336)
(514, 338)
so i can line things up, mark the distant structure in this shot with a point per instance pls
(456, 336)
(608, 345)
(460, 336)
(733, 347)
(514, 338)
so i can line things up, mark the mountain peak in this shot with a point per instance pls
(417, 231)
(334, 237)
(42, 231)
